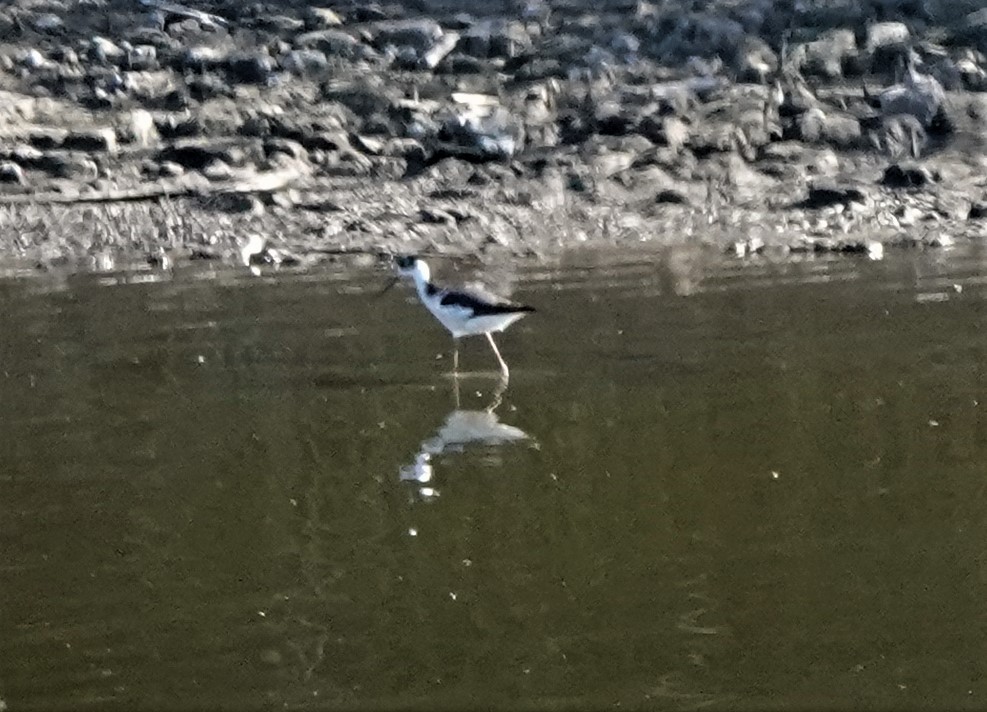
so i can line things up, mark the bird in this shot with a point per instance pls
(463, 312)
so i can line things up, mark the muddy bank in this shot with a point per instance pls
(169, 132)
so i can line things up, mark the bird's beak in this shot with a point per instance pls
(390, 286)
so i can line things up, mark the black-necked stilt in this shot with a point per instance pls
(462, 312)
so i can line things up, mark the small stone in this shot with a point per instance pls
(48, 22)
(92, 140)
(886, 34)
(334, 43)
(305, 62)
(907, 176)
(142, 128)
(823, 193)
(217, 170)
(321, 18)
(250, 68)
(10, 172)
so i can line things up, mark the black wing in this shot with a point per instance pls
(480, 306)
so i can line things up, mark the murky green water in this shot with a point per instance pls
(738, 486)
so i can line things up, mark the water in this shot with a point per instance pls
(715, 485)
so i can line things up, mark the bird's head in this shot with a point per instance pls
(409, 266)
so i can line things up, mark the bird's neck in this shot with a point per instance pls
(422, 279)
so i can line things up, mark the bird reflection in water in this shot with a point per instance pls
(460, 429)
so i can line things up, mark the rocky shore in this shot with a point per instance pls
(141, 128)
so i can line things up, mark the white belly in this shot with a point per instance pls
(459, 322)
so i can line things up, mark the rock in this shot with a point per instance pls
(755, 61)
(305, 62)
(613, 119)
(434, 55)
(286, 147)
(201, 59)
(71, 165)
(281, 25)
(10, 172)
(907, 176)
(333, 43)
(900, 135)
(250, 68)
(92, 140)
(217, 170)
(321, 18)
(885, 35)
(473, 133)
(45, 139)
(665, 130)
(436, 216)
(670, 196)
(196, 155)
(417, 35)
(495, 38)
(978, 211)
(920, 95)
(825, 192)
(458, 63)
(105, 51)
(142, 129)
(142, 58)
(208, 86)
(826, 56)
(841, 130)
(33, 59)
(972, 30)
(48, 23)
(686, 35)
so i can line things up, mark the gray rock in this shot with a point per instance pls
(201, 58)
(841, 130)
(71, 165)
(697, 35)
(334, 43)
(826, 192)
(900, 175)
(321, 18)
(418, 35)
(33, 60)
(900, 135)
(142, 58)
(920, 95)
(105, 51)
(755, 61)
(305, 62)
(48, 23)
(197, 154)
(972, 30)
(208, 86)
(250, 68)
(217, 170)
(10, 172)
(472, 134)
(882, 35)
(431, 58)
(92, 140)
(285, 146)
(826, 56)
(495, 38)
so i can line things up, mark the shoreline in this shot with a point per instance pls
(349, 129)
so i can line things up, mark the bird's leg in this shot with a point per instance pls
(500, 359)
(455, 356)
(498, 394)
